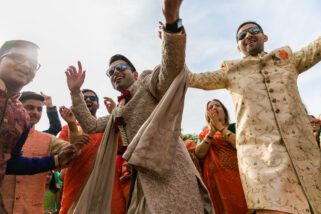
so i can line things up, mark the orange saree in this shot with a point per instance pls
(221, 176)
(78, 172)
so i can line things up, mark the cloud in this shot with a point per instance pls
(93, 30)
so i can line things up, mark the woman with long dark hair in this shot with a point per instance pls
(219, 161)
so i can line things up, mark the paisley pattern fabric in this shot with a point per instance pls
(13, 121)
(278, 160)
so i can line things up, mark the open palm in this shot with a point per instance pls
(75, 78)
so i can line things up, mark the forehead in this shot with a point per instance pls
(32, 102)
(117, 62)
(89, 93)
(214, 102)
(26, 51)
(247, 26)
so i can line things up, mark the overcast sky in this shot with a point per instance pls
(93, 30)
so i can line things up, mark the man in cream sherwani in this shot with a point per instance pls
(278, 159)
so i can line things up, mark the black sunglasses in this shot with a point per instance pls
(252, 30)
(120, 68)
(92, 98)
(19, 58)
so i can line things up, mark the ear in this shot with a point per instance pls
(135, 74)
(265, 38)
(238, 48)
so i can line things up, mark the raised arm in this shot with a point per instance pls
(208, 80)
(308, 56)
(89, 123)
(52, 113)
(173, 49)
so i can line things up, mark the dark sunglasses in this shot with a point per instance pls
(19, 58)
(91, 98)
(252, 30)
(120, 68)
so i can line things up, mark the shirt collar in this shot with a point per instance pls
(260, 55)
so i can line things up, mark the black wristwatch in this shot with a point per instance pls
(175, 27)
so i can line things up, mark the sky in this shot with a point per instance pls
(93, 30)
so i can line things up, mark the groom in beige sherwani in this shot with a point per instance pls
(148, 120)
(278, 158)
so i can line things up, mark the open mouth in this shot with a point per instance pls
(89, 104)
(117, 79)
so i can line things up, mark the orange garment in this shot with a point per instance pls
(78, 172)
(24, 194)
(221, 176)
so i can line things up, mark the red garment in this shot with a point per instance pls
(221, 176)
(78, 172)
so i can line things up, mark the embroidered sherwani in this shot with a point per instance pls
(181, 191)
(279, 161)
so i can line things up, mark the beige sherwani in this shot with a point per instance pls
(279, 160)
(181, 191)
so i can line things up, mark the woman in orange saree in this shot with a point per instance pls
(219, 161)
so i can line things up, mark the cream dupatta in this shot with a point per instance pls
(164, 123)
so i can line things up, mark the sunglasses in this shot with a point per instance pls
(91, 98)
(252, 30)
(120, 68)
(19, 58)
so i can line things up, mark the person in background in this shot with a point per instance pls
(76, 175)
(51, 196)
(218, 158)
(24, 194)
(52, 114)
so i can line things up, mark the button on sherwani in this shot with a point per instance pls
(279, 160)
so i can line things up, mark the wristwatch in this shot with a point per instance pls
(175, 27)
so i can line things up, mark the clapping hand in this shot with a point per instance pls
(215, 123)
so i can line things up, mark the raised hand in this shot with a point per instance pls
(110, 104)
(47, 101)
(75, 78)
(171, 10)
(67, 114)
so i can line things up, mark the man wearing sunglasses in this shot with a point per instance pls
(18, 66)
(279, 163)
(151, 192)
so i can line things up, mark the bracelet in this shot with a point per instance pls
(207, 142)
(209, 137)
(228, 134)
(222, 130)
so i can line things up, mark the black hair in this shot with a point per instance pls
(30, 95)
(227, 117)
(89, 90)
(122, 57)
(245, 23)
(8, 45)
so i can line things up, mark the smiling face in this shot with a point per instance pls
(34, 109)
(91, 102)
(253, 42)
(122, 80)
(17, 67)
